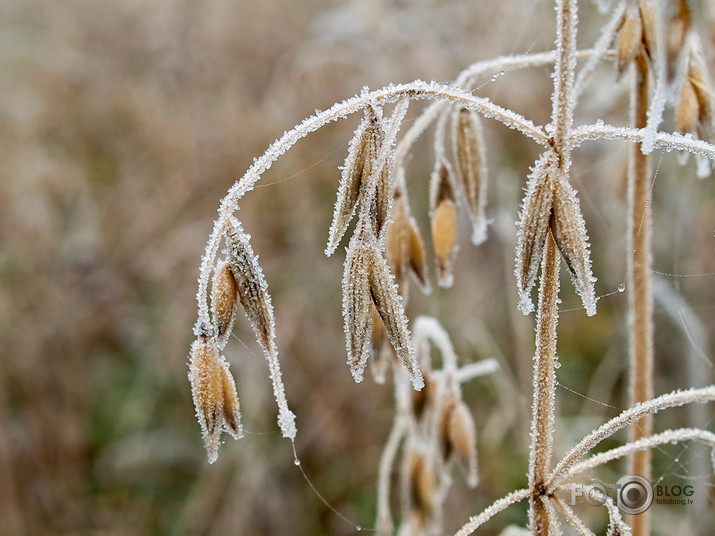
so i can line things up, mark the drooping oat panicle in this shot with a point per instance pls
(224, 296)
(359, 164)
(532, 229)
(471, 164)
(253, 294)
(569, 231)
(630, 41)
(214, 394)
(444, 222)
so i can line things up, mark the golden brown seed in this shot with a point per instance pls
(649, 21)
(224, 294)
(444, 230)
(630, 42)
(448, 405)
(462, 437)
(687, 110)
(418, 255)
(423, 485)
(206, 383)
(231, 411)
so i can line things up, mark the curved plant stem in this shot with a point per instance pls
(640, 294)
(542, 424)
(475, 522)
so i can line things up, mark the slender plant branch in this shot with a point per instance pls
(542, 424)
(669, 436)
(475, 522)
(626, 418)
(640, 293)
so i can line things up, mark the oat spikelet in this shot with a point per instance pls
(422, 485)
(362, 157)
(214, 394)
(649, 25)
(569, 231)
(687, 108)
(367, 281)
(699, 79)
(253, 294)
(444, 223)
(532, 229)
(471, 164)
(404, 248)
(462, 439)
(224, 295)
(390, 307)
(357, 313)
(630, 42)
(251, 286)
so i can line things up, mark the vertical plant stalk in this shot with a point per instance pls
(640, 295)
(542, 424)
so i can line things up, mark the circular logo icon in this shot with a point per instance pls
(634, 494)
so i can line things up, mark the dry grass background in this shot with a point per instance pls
(121, 126)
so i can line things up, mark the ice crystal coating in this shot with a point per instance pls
(551, 205)
(367, 280)
(256, 301)
(362, 157)
(471, 164)
(569, 230)
(532, 229)
(214, 394)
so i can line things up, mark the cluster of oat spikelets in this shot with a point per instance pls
(386, 247)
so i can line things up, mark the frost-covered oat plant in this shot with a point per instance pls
(386, 247)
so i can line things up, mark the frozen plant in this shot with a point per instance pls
(386, 247)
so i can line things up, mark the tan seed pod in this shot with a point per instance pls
(418, 256)
(383, 197)
(533, 226)
(687, 108)
(422, 486)
(569, 231)
(462, 438)
(649, 23)
(630, 42)
(471, 164)
(224, 295)
(357, 305)
(231, 409)
(448, 404)
(423, 400)
(362, 157)
(396, 238)
(214, 394)
(698, 77)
